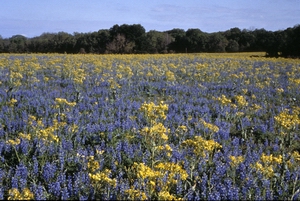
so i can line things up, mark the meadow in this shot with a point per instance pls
(159, 127)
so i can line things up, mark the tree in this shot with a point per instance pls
(247, 40)
(232, 46)
(180, 42)
(63, 42)
(120, 45)
(176, 33)
(290, 42)
(158, 41)
(2, 48)
(216, 43)
(17, 44)
(196, 40)
(43, 43)
(133, 34)
(102, 40)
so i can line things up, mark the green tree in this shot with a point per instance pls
(134, 34)
(102, 40)
(246, 40)
(290, 41)
(43, 43)
(216, 42)
(2, 48)
(18, 44)
(232, 46)
(196, 40)
(158, 41)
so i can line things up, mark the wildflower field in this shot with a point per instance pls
(164, 127)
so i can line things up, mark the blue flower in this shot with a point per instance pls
(14, 182)
(215, 195)
(21, 171)
(38, 192)
(55, 189)
(65, 194)
(49, 171)
(1, 193)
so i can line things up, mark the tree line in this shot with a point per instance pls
(128, 39)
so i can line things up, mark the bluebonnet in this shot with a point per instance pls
(55, 189)
(118, 151)
(65, 194)
(35, 165)
(39, 192)
(67, 145)
(84, 197)
(2, 149)
(24, 145)
(222, 189)
(221, 169)
(224, 130)
(49, 171)
(2, 132)
(2, 176)
(214, 195)
(1, 193)
(234, 194)
(14, 182)
(242, 171)
(112, 115)
(203, 185)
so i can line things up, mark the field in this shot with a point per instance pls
(176, 126)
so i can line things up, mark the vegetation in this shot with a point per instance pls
(134, 39)
(159, 127)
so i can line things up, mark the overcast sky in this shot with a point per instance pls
(34, 17)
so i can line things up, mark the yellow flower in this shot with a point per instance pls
(14, 194)
(287, 120)
(157, 131)
(26, 194)
(143, 171)
(241, 101)
(103, 177)
(201, 146)
(236, 160)
(256, 107)
(210, 126)
(239, 114)
(172, 169)
(296, 155)
(165, 195)
(12, 102)
(154, 112)
(14, 142)
(25, 136)
(93, 165)
(279, 90)
(265, 170)
(136, 194)
(224, 100)
(168, 148)
(170, 76)
(271, 159)
(61, 101)
(183, 128)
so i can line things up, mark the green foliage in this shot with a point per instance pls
(134, 39)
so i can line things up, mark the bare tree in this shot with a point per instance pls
(120, 45)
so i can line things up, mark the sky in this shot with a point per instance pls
(33, 17)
